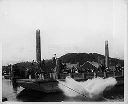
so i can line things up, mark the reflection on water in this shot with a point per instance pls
(14, 93)
(14, 85)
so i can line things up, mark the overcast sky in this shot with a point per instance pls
(66, 26)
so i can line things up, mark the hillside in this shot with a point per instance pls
(83, 57)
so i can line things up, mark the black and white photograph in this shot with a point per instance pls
(63, 50)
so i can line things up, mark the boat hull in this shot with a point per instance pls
(40, 85)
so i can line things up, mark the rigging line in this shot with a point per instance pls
(78, 92)
(72, 89)
(105, 99)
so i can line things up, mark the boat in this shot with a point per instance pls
(51, 85)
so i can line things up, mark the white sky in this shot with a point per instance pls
(65, 25)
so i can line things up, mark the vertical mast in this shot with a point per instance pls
(106, 55)
(38, 48)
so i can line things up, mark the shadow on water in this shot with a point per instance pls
(36, 96)
(117, 92)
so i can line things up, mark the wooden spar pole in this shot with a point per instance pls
(106, 55)
(106, 58)
(38, 48)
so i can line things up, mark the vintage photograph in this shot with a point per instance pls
(63, 50)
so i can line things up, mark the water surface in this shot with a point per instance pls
(19, 94)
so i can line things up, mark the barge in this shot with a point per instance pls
(51, 85)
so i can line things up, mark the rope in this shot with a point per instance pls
(72, 89)
(78, 92)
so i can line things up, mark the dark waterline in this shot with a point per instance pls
(19, 94)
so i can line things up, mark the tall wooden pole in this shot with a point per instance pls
(38, 48)
(106, 55)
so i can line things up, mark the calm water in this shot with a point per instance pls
(22, 95)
